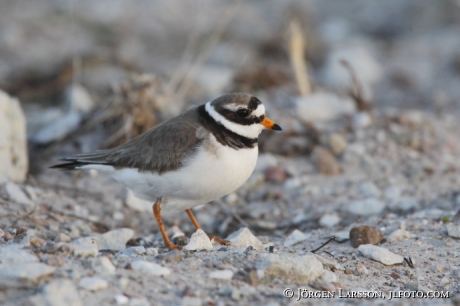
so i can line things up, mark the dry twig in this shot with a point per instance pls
(296, 54)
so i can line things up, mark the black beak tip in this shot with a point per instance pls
(276, 127)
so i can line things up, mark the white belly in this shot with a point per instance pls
(205, 177)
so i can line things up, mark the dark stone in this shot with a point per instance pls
(365, 235)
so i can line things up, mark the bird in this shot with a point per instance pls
(196, 157)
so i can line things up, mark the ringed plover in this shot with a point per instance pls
(199, 156)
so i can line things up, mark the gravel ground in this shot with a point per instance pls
(357, 200)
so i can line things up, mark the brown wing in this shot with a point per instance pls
(162, 148)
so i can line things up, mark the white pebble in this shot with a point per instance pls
(150, 268)
(93, 283)
(294, 238)
(221, 274)
(380, 254)
(244, 238)
(199, 241)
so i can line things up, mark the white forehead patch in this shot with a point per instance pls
(259, 111)
(250, 131)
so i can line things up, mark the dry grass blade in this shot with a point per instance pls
(356, 91)
(296, 54)
(324, 244)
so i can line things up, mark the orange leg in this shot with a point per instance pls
(197, 226)
(156, 213)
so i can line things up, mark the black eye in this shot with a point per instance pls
(242, 112)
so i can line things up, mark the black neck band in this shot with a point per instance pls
(222, 134)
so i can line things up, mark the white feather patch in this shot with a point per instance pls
(250, 131)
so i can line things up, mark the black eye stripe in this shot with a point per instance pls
(233, 117)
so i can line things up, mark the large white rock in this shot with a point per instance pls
(61, 292)
(114, 240)
(199, 241)
(14, 253)
(380, 254)
(14, 162)
(323, 106)
(453, 231)
(31, 271)
(244, 238)
(303, 268)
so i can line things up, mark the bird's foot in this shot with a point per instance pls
(172, 246)
(219, 240)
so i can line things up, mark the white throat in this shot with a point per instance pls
(250, 131)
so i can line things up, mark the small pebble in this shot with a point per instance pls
(337, 143)
(294, 238)
(244, 238)
(221, 274)
(453, 231)
(191, 301)
(171, 256)
(400, 234)
(365, 235)
(152, 251)
(93, 283)
(456, 273)
(445, 281)
(328, 277)
(362, 271)
(61, 237)
(150, 268)
(325, 161)
(121, 299)
(103, 265)
(275, 174)
(131, 252)
(86, 251)
(329, 220)
(199, 241)
(49, 247)
(36, 241)
(55, 261)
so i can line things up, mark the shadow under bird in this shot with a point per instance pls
(199, 156)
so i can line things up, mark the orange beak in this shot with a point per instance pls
(270, 124)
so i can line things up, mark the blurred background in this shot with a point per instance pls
(69, 59)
